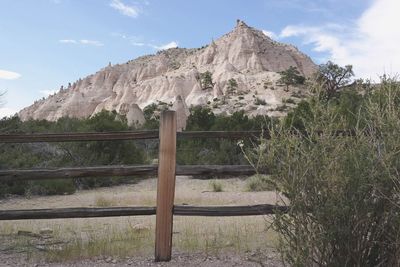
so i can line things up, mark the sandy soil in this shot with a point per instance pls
(197, 241)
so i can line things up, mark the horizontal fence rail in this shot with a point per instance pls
(182, 210)
(221, 134)
(133, 135)
(106, 171)
(72, 137)
(71, 173)
(75, 213)
(149, 134)
(263, 209)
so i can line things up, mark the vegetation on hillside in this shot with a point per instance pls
(291, 76)
(343, 191)
(95, 153)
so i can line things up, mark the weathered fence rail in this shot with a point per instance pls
(112, 136)
(107, 171)
(166, 169)
(182, 210)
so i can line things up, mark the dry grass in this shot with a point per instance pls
(134, 236)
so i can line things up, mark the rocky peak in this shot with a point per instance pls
(227, 75)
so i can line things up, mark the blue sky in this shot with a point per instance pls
(47, 43)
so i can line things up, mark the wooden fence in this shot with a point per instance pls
(166, 170)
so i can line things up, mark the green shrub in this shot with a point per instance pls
(51, 187)
(259, 101)
(289, 101)
(216, 186)
(206, 81)
(259, 182)
(343, 191)
(232, 85)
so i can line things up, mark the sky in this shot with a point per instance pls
(48, 43)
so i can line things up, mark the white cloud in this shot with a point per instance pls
(83, 42)
(137, 44)
(172, 44)
(5, 112)
(370, 44)
(127, 10)
(9, 75)
(47, 92)
(270, 34)
(68, 41)
(91, 42)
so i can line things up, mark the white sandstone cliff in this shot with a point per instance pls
(243, 64)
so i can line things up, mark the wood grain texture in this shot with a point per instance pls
(36, 214)
(72, 137)
(62, 213)
(262, 209)
(165, 186)
(71, 173)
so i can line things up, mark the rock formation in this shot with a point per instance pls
(237, 71)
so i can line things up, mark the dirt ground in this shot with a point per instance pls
(129, 241)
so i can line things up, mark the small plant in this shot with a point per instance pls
(281, 108)
(216, 186)
(297, 94)
(175, 65)
(258, 183)
(101, 201)
(206, 80)
(289, 101)
(259, 101)
(232, 85)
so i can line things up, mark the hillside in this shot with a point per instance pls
(236, 71)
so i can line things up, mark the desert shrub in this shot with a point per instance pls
(259, 101)
(343, 191)
(282, 108)
(232, 85)
(50, 187)
(259, 182)
(289, 101)
(216, 151)
(216, 186)
(206, 81)
(67, 154)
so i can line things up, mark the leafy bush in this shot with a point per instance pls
(216, 186)
(51, 187)
(67, 154)
(206, 80)
(232, 85)
(343, 191)
(259, 101)
(259, 182)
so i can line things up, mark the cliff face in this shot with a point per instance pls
(228, 74)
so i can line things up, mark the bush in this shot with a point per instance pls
(343, 191)
(51, 187)
(259, 101)
(258, 183)
(232, 85)
(216, 186)
(206, 81)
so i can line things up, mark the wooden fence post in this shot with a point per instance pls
(165, 186)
